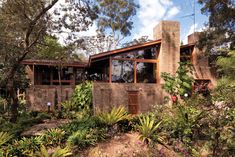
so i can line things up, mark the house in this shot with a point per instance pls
(128, 76)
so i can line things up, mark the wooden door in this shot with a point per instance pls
(133, 104)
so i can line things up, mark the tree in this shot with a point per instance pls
(23, 25)
(220, 29)
(115, 16)
(95, 44)
(138, 41)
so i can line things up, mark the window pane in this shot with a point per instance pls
(122, 71)
(146, 72)
(147, 53)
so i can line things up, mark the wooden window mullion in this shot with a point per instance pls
(110, 70)
(135, 77)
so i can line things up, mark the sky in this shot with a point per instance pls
(151, 12)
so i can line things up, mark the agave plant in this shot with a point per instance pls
(147, 129)
(58, 152)
(115, 116)
(4, 137)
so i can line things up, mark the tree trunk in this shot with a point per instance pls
(13, 100)
(60, 84)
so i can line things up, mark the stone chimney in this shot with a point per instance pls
(169, 55)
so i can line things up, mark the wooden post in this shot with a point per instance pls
(74, 76)
(135, 77)
(33, 82)
(51, 76)
(110, 70)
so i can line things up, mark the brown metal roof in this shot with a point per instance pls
(54, 63)
(103, 54)
(96, 56)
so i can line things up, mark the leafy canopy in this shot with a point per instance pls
(221, 25)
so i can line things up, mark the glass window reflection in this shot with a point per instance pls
(146, 72)
(122, 71)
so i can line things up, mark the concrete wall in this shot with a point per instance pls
(37, 96)
(169, 56)
(200, 61)
(109, 95)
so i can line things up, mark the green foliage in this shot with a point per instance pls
(79, 124)
(220, 27)
(81, 100)
(24, 121)
(26, 145)
(82, 96)
(3, 105)
(148, 129)
(181, 83)
(113, 117)
(186, 121)
(54, 137)
(4, 138)
(116, 17)
(58, 152)
(83, 138)
(226, 64)
(84, 132)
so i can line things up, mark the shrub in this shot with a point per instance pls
(113, 117)
(79, 124)
(4, 137)
(181, 83)
(80, 103)
(26, 145)
(83, 138)
(58, 152)
(54, 137)
(82, 97)
(147, 129)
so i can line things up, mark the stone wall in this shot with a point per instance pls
(200, 61)
(169, 55)
(109, 95)
(38, 96)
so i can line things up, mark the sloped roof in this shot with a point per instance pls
(54, 63)
(108, 53)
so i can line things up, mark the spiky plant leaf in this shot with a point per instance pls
(115, 116)
(4, 137)
(147, 128)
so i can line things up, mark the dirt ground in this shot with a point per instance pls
(126, 145)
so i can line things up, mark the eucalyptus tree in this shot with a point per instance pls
(24, 23)
(115, 18)
(220, 29)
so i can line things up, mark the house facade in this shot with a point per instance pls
(129, 76)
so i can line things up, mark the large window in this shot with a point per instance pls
(139, 66)
(147, 53)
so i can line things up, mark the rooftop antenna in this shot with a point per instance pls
(193, 16)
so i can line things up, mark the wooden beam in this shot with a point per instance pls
(51, 76)
(110, 70)
(135, 77)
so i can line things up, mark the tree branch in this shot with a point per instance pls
(34, 21)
